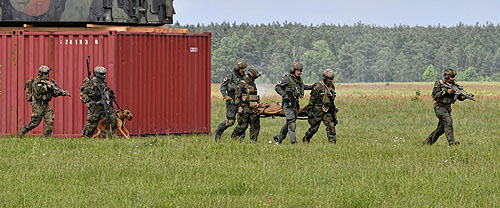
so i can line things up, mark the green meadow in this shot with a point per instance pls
(378, 161)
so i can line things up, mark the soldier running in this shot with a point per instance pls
(40, 91)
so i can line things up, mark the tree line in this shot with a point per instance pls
(357, 53)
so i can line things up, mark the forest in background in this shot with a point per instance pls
(357, 53)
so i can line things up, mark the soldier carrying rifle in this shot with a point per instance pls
(445, 93)
(40, 91)
(97, 96)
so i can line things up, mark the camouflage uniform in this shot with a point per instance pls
(247, 100)
(95, 93)
(228, 88)
(43, 91)
(442, 108)
(291, 89)
(322, 108)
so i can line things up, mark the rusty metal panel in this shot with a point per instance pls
(165, 80)
(8, 79)
(23, 52)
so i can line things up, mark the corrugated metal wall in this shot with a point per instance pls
(23, 52)
(166, 77)
(8, 80)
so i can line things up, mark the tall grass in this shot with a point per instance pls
(378, 161)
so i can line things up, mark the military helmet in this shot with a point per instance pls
(296, 66)
(100, 70)
(253, 73)
(328, 73)
(240, 65)
(449, 73)
(44, 69)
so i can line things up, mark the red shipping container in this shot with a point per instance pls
(163, 78)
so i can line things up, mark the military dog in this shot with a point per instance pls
(121, 115)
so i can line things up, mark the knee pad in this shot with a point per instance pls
(229, 123)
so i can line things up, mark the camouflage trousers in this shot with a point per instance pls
(95, 114)
(315, 121)
(40, 110)
(290, 125)
(445, 125)
(244, 119)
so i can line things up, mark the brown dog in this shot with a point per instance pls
(121, 115)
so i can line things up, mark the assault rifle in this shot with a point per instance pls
(88, 68)
(458, 91)
(113, 98)
(57, 90)
(107, 100)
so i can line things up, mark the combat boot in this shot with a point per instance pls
(217, 136)
(454, 143)
(332, 140)
(277, 139)
(21, 132)
(305, 140)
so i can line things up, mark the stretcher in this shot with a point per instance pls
(275, 109)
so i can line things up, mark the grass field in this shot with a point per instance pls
(378, 161)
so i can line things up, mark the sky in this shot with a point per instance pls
(344, 12)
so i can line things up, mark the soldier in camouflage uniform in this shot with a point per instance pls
(97, 96)
(291, 89)
(322, 108)
(444, 97)
(247, 101)
(228, 90)
(42, 90)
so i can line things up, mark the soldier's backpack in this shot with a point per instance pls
(28, 90)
